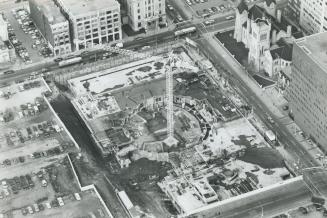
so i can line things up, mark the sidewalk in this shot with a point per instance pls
(240, 70)
(270, 98)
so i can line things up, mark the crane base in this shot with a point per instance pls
(170, 141)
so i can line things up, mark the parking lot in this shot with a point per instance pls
(208, 8)
(30, 130)
(20, 190)
(47, 191)
(28, 42)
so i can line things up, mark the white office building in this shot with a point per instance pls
(313, 16)
(146, 14)
(52, 24)
(92, 22)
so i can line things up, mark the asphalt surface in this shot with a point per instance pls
(50, 65)
(88, 58)
(315, 181)
(293, 198)
(284, 136)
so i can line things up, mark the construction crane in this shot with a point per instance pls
(171, 67)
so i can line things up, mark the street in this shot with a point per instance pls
(269, 206)
(284, 136)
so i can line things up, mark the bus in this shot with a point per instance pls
(70, 61)
(185, 31)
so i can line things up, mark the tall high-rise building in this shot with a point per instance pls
(52, 24)
(146, 13)
(313, 16)
(308, 90)
(92, 22)
(293, 10)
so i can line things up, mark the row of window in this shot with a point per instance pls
(95, 35)
(96, 16)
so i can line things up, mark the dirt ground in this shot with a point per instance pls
(201, 88)
(146, 193)
(62, 178)
(264, 157)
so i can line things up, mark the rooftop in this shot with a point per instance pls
(315, 46)
(258, 13)
(77, 7)
(284, 52)
(51, 11)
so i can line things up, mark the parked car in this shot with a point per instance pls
(60, 201)
(30, 210)
(208, 22)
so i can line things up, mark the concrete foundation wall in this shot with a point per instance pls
(236, 203)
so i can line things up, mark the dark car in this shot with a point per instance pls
(9, 72)
(58, 59)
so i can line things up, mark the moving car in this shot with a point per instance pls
(208, 22)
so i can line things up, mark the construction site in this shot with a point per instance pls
(166, 113)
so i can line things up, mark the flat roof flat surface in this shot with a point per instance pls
(316, 48)
(51, 11)
(84, 6)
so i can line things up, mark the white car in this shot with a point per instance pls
(60, 201)
(208, 22)
(30, 210)
(179, 18)
(48, 205)
(230, 17)
(171, 8)
(77, 196)
(145, 47)
(4, 184)
(44, 183)
(36, 207)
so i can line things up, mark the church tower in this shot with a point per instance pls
(270, 7)
(240, 19)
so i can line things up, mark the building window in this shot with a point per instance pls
(263, 37)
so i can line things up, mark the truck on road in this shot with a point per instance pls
(270, 137)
